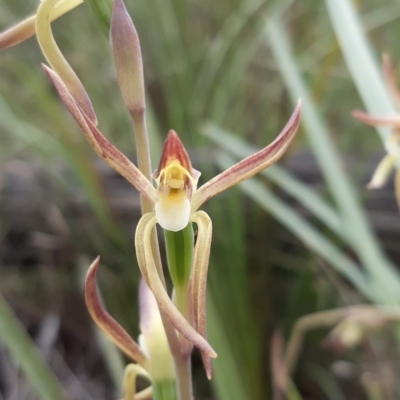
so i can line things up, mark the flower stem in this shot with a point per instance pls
(183, 369)
(164, 390)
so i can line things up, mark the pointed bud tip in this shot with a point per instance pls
(172, 133)
(93, 267)
(174, 150)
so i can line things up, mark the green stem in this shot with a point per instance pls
(183, 368)
(181, 294)
(179, 246)
(164, 390)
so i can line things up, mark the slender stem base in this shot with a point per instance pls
(183, 368)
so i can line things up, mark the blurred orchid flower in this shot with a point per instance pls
(392, 145)
(175, 201)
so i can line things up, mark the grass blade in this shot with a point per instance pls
(307, 233)
(228, 377)
(24, 351)
(360, 60)
(385, 281)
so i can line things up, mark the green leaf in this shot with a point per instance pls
(228, 378)
(384, 279)
(360, 60)
(307, 233)
(25, 352)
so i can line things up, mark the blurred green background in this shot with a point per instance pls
(304, 237)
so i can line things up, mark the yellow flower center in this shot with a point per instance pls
(175, 185)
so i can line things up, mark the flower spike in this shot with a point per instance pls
(173, 204)
(107, 323)
(104, 149)
(251, 165)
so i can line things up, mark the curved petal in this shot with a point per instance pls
(153, 339)
(375, 121)
(250, 165)
(104, 149)
(199, 278)
(145, 394)
(56, 59)
(390, 80)
(26, 28)
(147, 266)
(382, 172)
(132, 371)
(107, 323)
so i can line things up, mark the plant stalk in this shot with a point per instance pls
(182, 364)
(183, 368)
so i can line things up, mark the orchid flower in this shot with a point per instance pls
(152, 355)
(392, 145)
(174, 203)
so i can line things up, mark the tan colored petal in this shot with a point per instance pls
(57, 61)
(153, 339)
(128, 58)
(382, 172)
(146, 394)
(390, 80)
(18, 33)
(250, 165)
(376, 121)
(26, 28)
(278, 370)
(107, 323)
(104, 149)
(132, 371)
(199, 278)
(150, 275)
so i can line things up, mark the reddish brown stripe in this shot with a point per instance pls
(174, 150)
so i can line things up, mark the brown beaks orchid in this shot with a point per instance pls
(392, 144)
(174, 203)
